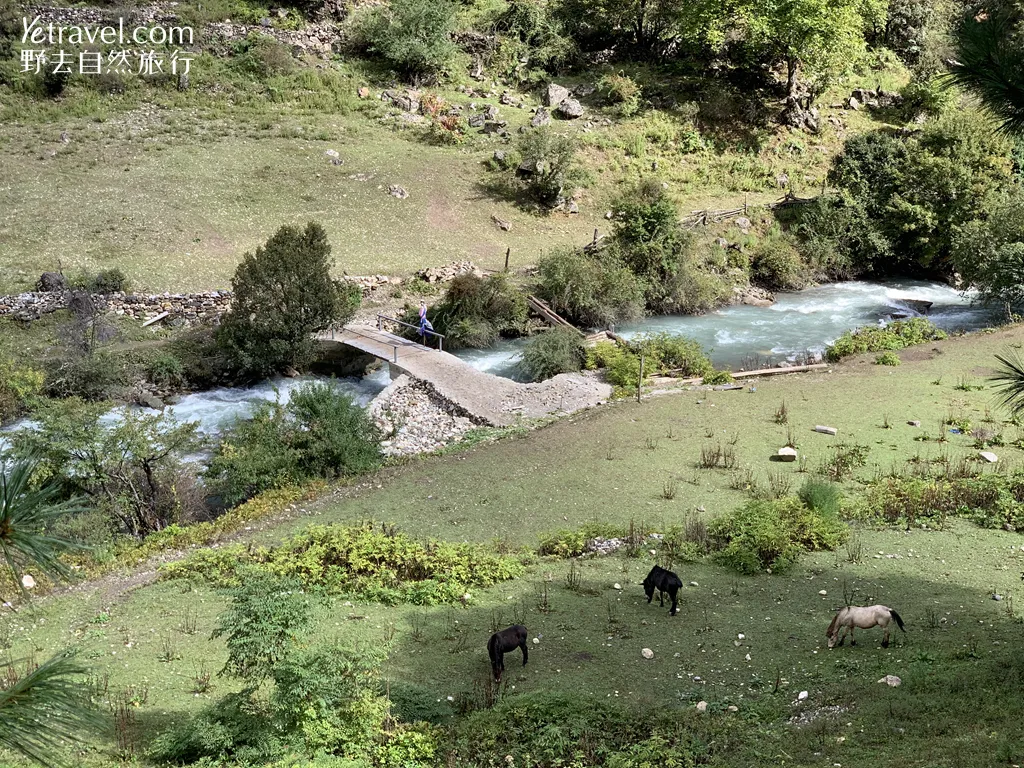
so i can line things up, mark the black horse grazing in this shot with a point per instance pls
(504, 641)
(664, 581)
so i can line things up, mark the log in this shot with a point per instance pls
(156, 319)
(775, 371)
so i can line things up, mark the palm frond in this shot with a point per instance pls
(990, 62)
(46, 710)
(26, 514)
(1011, 383)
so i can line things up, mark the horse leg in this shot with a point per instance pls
(661, 596)
(842, 636)
(885, 637)
(853, 640)
(674, 603)
(522, 647)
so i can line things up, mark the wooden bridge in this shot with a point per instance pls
(487, 398)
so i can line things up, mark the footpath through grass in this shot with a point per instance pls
(750, 642)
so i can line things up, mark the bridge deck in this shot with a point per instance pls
(483, 395)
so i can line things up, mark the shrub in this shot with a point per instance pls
(775, 263)
(110, 281)
(381, 565)
(573, 542)
(263, 56)
(670, 352)
(622, 91)
(770, 535)
(205, 363)
(557, 350)
(989, 253)
(990, 500)
(897, 335)
(715, 378)
(887, 358)
(283, 293)
(592, 291)
(19, 384)
(414, 36)
(475, 310)
(165, 370)
(319, 433)
(548, 171)
(822, 496)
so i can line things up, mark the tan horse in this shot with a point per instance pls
(862, 618)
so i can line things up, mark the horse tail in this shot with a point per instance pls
(899, 621)
(832, 626)
(492, 650)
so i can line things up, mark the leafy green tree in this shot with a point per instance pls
(415, 36)
(133, 469)
(283, 294)
(989, 253)
(593, 291)
(262, 624)
(650, 28)
(548, 167)
(990, 60)
(46, 708)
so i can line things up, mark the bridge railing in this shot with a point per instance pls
(381, 319)
(394, 347)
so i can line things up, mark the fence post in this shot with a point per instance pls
(508, 252)
(640, 381)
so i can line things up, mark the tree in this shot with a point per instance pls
(283, 294)
(415, 36)
(990, 61)
(45, 708)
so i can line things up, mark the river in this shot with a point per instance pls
(737, 336)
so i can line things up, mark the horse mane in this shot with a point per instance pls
(832, 626)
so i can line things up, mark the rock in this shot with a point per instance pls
(891, 680)
(492, 126)
(570, 109)
(334, 156)
(743, 223)
(396, 191)
(506, 99)
(647, 653)
(616, 585)
(826, 430)
(787, 453)
(536, 641)
(491, 113)
(407, 101)
(27, 581)
(363, 93)
(64, 138)
(476, 121)
(150, 400)
(503, 225)
(853, 104)
(542, 117)
(702, 706)
(732, 708)
(802, 695)
(573, 207)
(823, 592)
(988, 456)
(49, 282)
(183, 81)
(694, 584)
(914, 423)
(997, 597)
(555, 95)
(782, 180)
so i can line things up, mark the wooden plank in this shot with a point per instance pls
(156, 319)
(775, 371)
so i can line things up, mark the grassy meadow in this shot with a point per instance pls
(754, 643)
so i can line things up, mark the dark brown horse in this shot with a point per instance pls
(663, 581)
(504, 641)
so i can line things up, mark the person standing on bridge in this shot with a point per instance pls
(425, 325)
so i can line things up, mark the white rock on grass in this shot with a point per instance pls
(825, 430)
(802, 695)
(647, 653)
(787, 453)
(702, 706)
(988, 456)
(891, 680)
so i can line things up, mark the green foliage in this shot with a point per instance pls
(414, 36)
(548, 171)
(19, 384)
(989, 253)
(770, 535)
(902, 198)
(554, 351)
(1009, 378)
(165, 369)
(133, 469)
(266, 614)
(897, 335)
(594, 291)
(775, 263)
(321, 432)
(283, 293)
(530, 42)
(822, 496)
(92, 377)
(715, 378)
(573, 542)
(887, 358)
(621, 366)
(262, 56)
(384, 566)
(476, 310)
(107, 281)
(672, 352)
(622, 91)
(990, 500)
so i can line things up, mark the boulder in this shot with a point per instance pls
(853, 104)
(50, 282)
(477, 121)
(826, 430)
(555, 95)
(542, 117)
(702, 706)
(491, 113)
(570, 109)
(396, 191)
(363, 93)
(988, 456)
(647, 653)
(787, 453)
(891, 680)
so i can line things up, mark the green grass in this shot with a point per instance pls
(957, 706)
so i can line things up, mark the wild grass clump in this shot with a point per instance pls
(573, 543)
(897, 335)
(822, 496)
(557, 350)
(771, 535)
(378, 564)
(887, 358)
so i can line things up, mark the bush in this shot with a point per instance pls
(593, 291)
(887, 358)
(380, 565)
(165, 370)
(414, 36)
(91, 377)
(716, 378)
(573, 542)
(476, 310)
(822, 496)
(262, 56)
(19, 384)
(668, 352)
(770, 535)
(989, 253)
(548, 171)
(990, 500)
(557, 350)
(319, 433)
(283, 294)
(205, 363)
(110, 281)
(775, 263)
(897, 335)
(622, 91)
